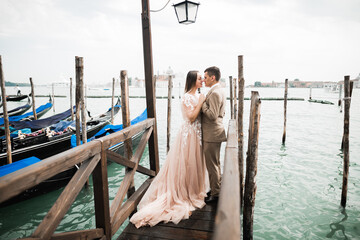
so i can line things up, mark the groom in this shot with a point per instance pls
(213, 130)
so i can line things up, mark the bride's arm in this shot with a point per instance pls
(192, 115)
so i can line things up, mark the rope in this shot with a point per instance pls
(161, 8)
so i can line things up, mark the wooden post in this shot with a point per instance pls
(251, 165)
(78, 66)
(351, 88)
(83, 106)
(5, 115)
(112, 101)
(310, 93)
(53, 97)
(149, 84)
(241, 83)
(124, 84)
(235, 97)
(33, 99)
(71, 100)
(101, 195)
(347, 101)
(231, 98)
(285, 108)
(169, 113)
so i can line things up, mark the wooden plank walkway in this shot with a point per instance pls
(200, 225)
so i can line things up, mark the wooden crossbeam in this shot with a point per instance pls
(120, 195)
(65, 200)
(79, 235)
(121, 136)
(115, 157)
(129, 206)
(119, 159)
(18, 181)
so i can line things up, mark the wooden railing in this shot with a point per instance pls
(227, 221)
(93, 158)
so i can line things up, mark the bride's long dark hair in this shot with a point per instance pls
(190, 80)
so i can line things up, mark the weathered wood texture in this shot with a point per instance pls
(227, 221)
(71, 100)
(33, 98)
(101, 194)
(5, 116)
(251, 166)
(347, 101)
(240, 123)
(231, 97)
(52, 219)
(351, 88)
(115, 157)
(80, 75)
(285, 109)
(125, 109)
(115, 208)
(129, 206)
(200, 225)
(235, 97)
(78, 66)
(112, 100)
(149, 83)
(16, 182)
(168, 129)
(79, 235)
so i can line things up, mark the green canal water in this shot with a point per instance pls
(298, 185)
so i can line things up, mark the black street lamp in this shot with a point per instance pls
(186, 11)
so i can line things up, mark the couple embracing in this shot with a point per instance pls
(193, 159)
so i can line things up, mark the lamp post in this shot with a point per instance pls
(149, 83)
(186, 13)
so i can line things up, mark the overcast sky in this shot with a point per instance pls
(312, 40)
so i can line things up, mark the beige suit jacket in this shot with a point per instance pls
(213, 111)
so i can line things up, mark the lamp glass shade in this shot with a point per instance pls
(186, 11)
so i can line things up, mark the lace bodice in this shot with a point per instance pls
(188, 104)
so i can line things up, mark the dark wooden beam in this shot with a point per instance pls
(149, 83)
(52, 219)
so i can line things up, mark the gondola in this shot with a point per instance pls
(47, 142)
(18, 110)
(119, 148)
(40, 111)
(63, 178)
(15, 98)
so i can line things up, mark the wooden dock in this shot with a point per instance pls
(200, 225)
(213, 221)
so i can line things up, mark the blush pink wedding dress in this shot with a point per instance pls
(181, 184)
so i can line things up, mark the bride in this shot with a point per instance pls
(180, 186)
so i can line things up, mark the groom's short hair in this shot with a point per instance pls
(213, 71)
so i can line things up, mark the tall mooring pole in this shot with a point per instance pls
(149, 83)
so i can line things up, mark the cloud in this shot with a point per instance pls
(310, 40)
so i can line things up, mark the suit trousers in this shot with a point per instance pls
(212, 159)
